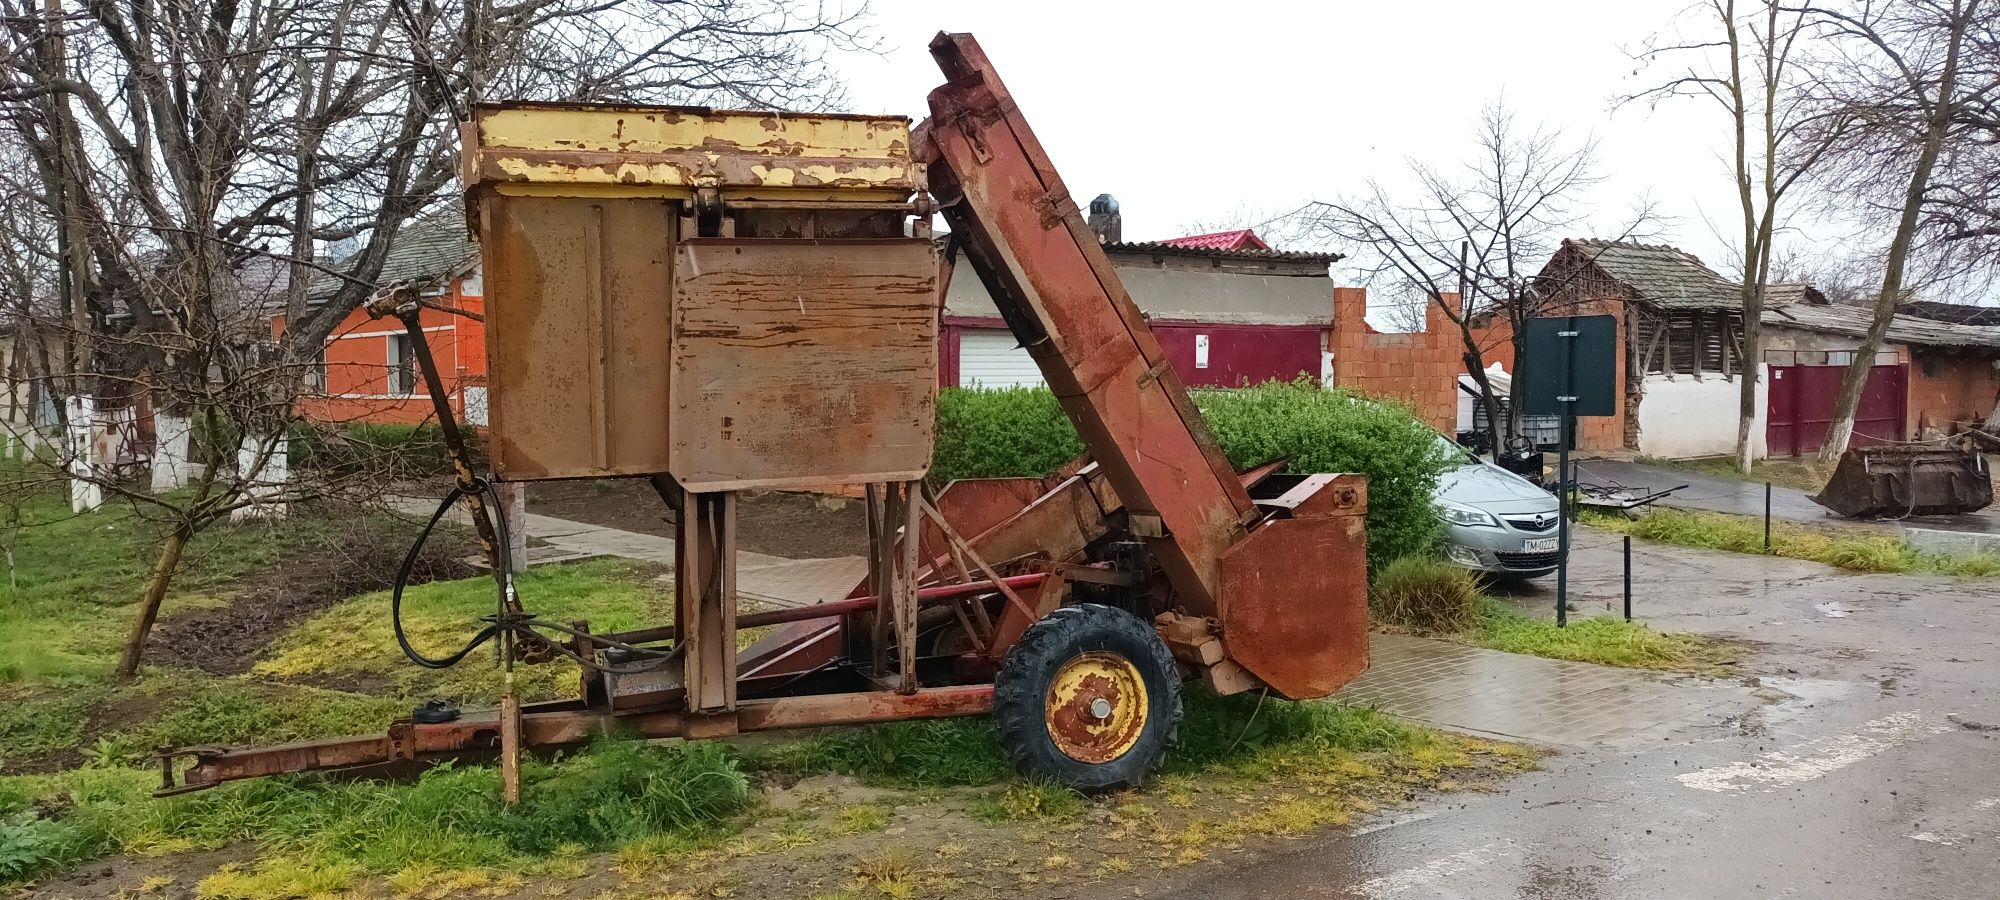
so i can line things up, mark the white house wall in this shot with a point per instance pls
(1680, 418)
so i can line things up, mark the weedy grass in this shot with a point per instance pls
(355, 640)
(1859, 552)
(328, 833)
(1599, 639)
(1424, 594)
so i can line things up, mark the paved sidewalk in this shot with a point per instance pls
(1545, 701)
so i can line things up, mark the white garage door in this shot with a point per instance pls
(989, 358)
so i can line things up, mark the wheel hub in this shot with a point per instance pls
(1097, 707)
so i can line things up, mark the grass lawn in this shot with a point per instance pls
(353, 641)
(1847, 549)
(75, 584)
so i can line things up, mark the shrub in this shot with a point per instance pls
(409, 450)
(1023, 432)
(1322, 430)
(1001, 433)
(1424, 594)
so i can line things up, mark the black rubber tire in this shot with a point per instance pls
(1021, 691)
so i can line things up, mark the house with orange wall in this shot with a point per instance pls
(368, 371)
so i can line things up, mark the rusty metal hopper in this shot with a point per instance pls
(1904, 480)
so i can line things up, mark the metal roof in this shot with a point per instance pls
(430, 249)
(1167, 248)
(1663, 276)
(1239, 239)
(1853, 321)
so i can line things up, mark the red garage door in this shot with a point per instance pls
(1803, 398)
(1238, 355)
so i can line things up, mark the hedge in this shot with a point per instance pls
(984, 433)
(396, 450)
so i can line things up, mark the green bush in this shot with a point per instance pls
(1024, 432)
(1322, 430)
(1424, 594)
(1001, 433)
(409, 450)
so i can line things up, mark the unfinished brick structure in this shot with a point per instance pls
(1419, 368)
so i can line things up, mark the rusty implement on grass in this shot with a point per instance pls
(1899, 480)
(720, 301)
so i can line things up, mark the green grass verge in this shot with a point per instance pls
(1860, 552)
(102, 723)
(1598, 639)
(354, 640)
(319, 835)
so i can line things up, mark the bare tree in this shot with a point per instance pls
(195, 155)
(1480, 233)
(1899, 72)
(1746, 58)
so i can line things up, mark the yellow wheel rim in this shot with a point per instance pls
(1097, 707)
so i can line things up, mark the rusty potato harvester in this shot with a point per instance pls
(721, 301)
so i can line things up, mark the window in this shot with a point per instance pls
(402, 365)
(316, 373)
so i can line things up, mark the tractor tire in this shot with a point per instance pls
(1089, 698)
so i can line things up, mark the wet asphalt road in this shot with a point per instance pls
(1875, 773)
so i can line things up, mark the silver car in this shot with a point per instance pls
(1496, 522)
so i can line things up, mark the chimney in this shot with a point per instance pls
(1104, 220)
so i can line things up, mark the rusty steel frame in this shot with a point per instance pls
(1236, 605)
(1058, 293)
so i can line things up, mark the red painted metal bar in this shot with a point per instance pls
(1026, 239)
(832, 608)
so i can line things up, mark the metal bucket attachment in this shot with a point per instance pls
(1903, 480)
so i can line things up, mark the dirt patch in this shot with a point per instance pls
(791, 524)
(355, 560)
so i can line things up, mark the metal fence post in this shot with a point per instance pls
(1628, 578)
(1767, 517)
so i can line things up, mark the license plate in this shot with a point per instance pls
(1540, 545)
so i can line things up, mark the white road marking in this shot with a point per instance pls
(1415, 878)
(1816, 758)
(1988, 803)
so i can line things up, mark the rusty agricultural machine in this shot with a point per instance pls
(719, 301)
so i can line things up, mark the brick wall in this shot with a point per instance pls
(1945, 390)
(1418, 368)
(1496, 344)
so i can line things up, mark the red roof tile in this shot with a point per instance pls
(1240, 239)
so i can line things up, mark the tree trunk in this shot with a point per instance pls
(1747, 375)
(156, 591)
(1855, 379)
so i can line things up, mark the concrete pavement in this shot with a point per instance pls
(1877, 773)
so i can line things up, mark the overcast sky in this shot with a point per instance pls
(1194, 113)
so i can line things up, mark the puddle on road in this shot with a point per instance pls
(1832, 609)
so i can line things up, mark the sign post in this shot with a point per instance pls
(1570, 369)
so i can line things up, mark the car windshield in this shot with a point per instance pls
(1455, 451)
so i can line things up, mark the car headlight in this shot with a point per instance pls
(1460, 514)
